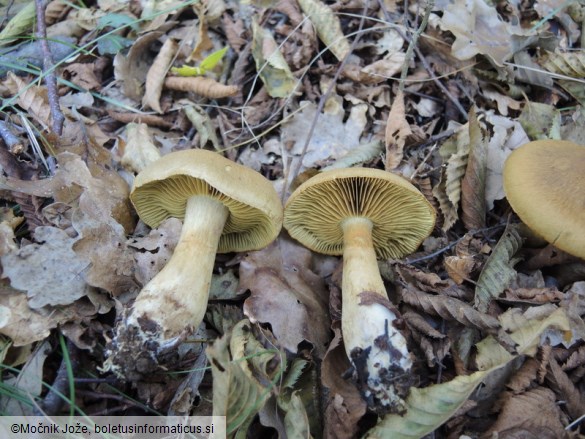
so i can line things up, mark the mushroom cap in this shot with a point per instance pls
(544, 182)
(401, 216)
(162, 189)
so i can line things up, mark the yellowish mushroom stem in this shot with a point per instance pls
(176, 298)
(378, 351)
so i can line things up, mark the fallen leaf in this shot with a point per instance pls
(21, 323)
(286, 294)
(270, 64)
(397, 130)
(49, 270)
(156, 75)
(332, 137)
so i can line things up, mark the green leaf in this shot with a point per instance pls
(238, 364)
(20, 24)
(207, 64)
(498, 272)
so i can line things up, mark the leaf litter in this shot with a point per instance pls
(482, 301)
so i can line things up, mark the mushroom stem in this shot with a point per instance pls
(176, 298)
(375, 347)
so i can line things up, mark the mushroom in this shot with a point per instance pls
(544, 182)
(365, 214)
(225, 207)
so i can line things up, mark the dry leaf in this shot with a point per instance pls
(327, 25)
(201, 85)
(132, 68)
(345, 406)
(22, 324)
(397, 130)
(332, 137)
(479, 30)
(473, 183)
(139, 151)
(49, 270)
(155, 77)
(460, 268)
(270, 64)
(517, 416)
(450, 309)
(286, 294)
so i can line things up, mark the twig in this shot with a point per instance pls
(13, 143)
(48, 67)
(325, 96)
(426, 65)
(413, 41)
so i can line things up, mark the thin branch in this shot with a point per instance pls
(13, 142)
(48, 67)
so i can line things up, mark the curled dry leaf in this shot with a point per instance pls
(132, 68)
(287, 294)
(156, 75)
(498, 270)
(139, 150)
(473, 185)
(203, 86)
(460, 268)
(450, 308)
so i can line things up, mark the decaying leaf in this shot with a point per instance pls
(201, 85)
(473, 209)
(430, 407)
(286, 294)
(242, 380)
(327, 25)
(21, 323)
(397, 130)
(49, 270)
(270, 64)
(497, 272)
(460, 268)
(517, 415)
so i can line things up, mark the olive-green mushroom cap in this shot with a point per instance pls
(401, 215)
(544, 182)
(162, 189)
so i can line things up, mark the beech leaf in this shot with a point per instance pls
(473, 185)
(497, 272)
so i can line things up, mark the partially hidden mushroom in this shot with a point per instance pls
(544, 182)
(365, 214)
(225, 207)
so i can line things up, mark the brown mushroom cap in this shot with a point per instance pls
(544, 183)
(401, 215)
(162, 189)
